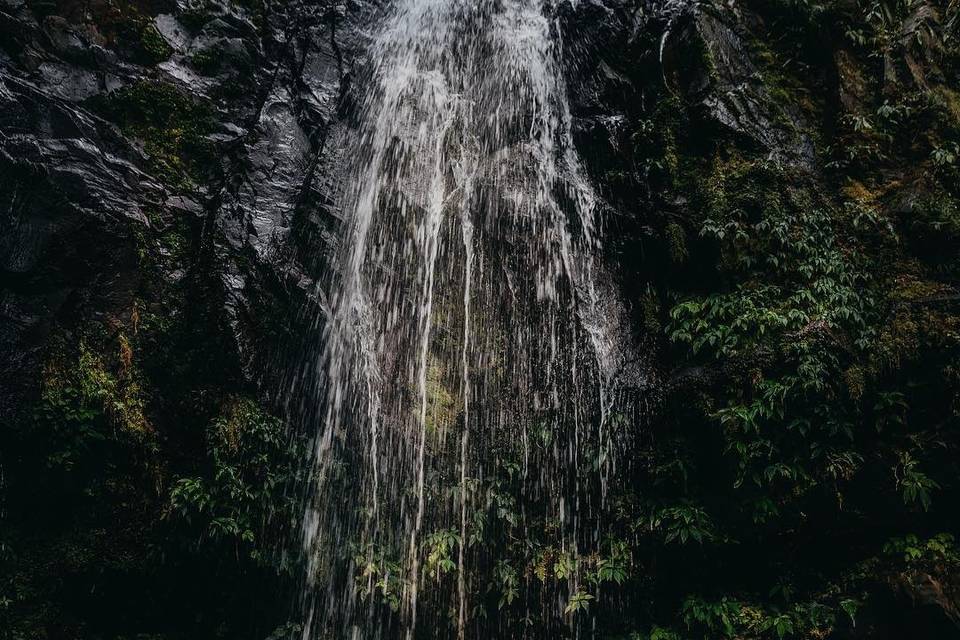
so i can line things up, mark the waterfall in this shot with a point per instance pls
(467, 365)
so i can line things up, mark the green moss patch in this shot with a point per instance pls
(171, 125)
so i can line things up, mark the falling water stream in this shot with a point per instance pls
(466, 387)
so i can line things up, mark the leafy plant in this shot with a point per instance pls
(940, 548)
(945, 155)
(914, 484)
(440, 546)
(247, 488)
(379, 572)
(683, 523)
(507, 582)
(579, 601)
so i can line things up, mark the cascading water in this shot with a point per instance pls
(466, 385)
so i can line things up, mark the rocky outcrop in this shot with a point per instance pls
(170, 172)
(706, 61)
(74, 204)
(84, 94)
(168, 180)
(930, 602)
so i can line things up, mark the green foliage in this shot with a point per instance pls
(734, 619)
(154, 45)
(206, 61)
(172, 126)
(850, 607)
(823, 398)
(882, 22)
(565, 567)
(714, 616)
(579, 601)
(507, 583)
(808, 282)
(379, 573)
(656, 633)
(915, 485)
(683, 524)
(945, 155)
(440, 546)
(939, 549)
(676, 242)
(246, 492)
(802, 306)
(85, 405)
(615, 566)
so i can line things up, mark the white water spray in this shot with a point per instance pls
(464, 305)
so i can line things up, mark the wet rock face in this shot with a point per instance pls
(625, 57)
(94, 168)
(273, 88)
(706, 61)
(265, 208)
(200, 145)
(913, 603)
(930, 602)
(73, 203)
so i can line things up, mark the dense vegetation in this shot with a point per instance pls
(144, 486)
(802, 481)
(137, 486)
(797, 476)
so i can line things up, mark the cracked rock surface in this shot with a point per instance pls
(87, 203)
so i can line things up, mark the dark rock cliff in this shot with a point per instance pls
(168, 172)
(779, 182)
(125, 124)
